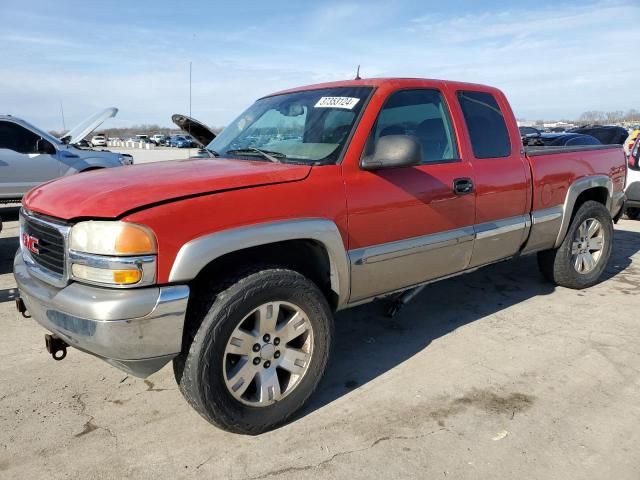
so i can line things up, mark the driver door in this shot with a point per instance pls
(21, 166)
(409, 225)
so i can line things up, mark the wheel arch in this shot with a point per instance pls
(312, 246)
(596, 187)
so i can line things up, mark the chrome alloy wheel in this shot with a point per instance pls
(587, 246)
(268, 354)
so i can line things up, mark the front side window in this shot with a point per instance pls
(310, 126)
(422, 114)
(17, 138)
(485, 124)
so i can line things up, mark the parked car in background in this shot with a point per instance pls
(171, 141)
(30, 156)
(143, 139)
(232, 268)
(561, 139)
(631, 141)
(159, 139)
(99, 140)
(182, 141)
(632, 189)
(191, 141)
(607, 134)
(529, 132)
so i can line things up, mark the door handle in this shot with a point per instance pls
(462, 186)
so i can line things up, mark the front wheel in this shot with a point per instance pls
(584, 253)
(258, 352)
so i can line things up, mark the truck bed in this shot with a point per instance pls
(554, 169)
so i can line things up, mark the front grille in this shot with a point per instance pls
(50, 245)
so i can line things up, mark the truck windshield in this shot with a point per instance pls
(310, 126)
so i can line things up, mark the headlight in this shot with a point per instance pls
(118, 254)
(112, 238)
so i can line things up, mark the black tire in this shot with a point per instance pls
(632, 213)
(214, 316)
(556, 265)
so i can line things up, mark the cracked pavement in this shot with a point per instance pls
(495, 374)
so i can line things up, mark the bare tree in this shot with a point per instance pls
(632, 115)
(614, 117)
(592, 116)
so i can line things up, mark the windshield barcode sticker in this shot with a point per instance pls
(337, 102)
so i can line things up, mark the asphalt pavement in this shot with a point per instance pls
(495, 374)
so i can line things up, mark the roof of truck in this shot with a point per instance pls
(385, 81)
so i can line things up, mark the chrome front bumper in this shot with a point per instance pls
(137, 330)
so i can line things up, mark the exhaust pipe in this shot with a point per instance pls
(56, 347)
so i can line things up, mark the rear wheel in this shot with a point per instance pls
(258, 352)
(585, 250)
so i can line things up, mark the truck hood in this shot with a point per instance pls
(110, 193)
(87, 126)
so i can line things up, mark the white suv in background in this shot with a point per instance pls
(159, 139)
(99, 140)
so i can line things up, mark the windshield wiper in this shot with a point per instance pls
(212, 153)
(268, 154)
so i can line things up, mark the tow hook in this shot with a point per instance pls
(22, 308)
(56, 347)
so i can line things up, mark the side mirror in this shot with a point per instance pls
(394, 151)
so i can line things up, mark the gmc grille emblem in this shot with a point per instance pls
(30, 243)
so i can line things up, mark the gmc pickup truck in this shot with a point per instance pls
(313, 200)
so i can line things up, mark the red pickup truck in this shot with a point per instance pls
(313, 200)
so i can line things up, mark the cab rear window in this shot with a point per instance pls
(485, 124)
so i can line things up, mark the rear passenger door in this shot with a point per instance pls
(501, 176)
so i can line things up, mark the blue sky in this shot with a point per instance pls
(553, 59)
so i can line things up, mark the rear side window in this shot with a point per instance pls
(486, 125)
